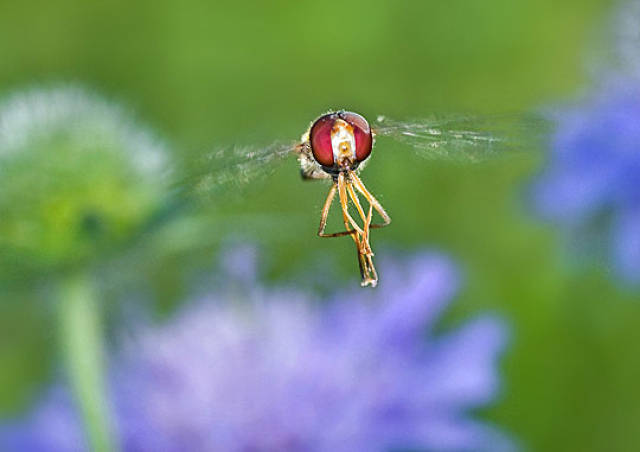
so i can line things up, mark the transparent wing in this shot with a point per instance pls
(226, 168)
(452, 137)
(466, 138)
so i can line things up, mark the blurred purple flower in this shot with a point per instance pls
(591, 186)
(280, 371)
(592, 182)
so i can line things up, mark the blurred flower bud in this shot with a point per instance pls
(78, 177)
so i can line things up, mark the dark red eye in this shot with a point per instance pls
(320, 138)
(362, 133)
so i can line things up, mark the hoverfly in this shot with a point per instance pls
(336, 147)
(339, 144)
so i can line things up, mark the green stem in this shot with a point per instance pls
(82, 347)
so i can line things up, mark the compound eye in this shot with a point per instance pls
(362, 133)
(320, 139)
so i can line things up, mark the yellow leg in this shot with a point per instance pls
(344, 185)
(360, 237)
(344, 202)
(371, 200)
(325, 215)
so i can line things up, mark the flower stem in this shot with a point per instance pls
(82, 348)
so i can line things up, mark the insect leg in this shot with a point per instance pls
(361, 238)
(372, 201)
(325, 215)
(365, 247)
(356, 202)
(344, 201)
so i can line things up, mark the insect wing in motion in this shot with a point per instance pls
(457, 138)
(463, 138)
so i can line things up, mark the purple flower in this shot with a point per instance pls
(592, 182)
(276, 370)
(591, 185)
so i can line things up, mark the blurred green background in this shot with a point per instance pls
(208, 75)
